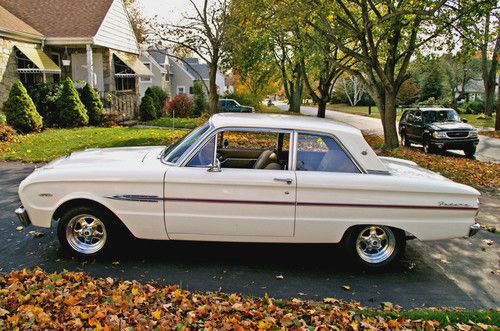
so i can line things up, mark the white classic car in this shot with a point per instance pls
(249, 178)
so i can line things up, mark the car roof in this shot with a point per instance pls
(281, 121)
(429, 108)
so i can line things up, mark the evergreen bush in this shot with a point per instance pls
(93, 104)
(45, 97)
(20, 110)
(200, 99)
(71, 111)
(147, 109)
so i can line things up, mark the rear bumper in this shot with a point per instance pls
(474, 228)
(22, 215)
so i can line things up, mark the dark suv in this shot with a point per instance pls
(437, 129)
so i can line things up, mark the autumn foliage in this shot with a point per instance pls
(36, 300)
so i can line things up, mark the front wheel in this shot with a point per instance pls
(428, 148)
(375, 246)
(404, 140)
(470, 151)
(86, 231)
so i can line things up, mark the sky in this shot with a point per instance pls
(170, 10)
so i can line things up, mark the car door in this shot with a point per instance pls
(206, 203)
(328, 180)
(418, 126)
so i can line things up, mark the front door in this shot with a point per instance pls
(242, 203)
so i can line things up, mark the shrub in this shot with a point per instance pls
(93, 104)
(148, 109)
(3, 118)
(200, 99)
(7, 133)
(21, 111)
(71, 111)
(161, 97)
(111, 119)
(181, 106)
(473, 107)
(45, 97)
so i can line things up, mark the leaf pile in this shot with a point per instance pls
(492, 134)
(460, 169)
(70, 300)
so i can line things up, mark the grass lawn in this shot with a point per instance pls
(54, 143)
(357, 110)
(473, 119)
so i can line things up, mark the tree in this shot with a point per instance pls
(203, 34)
(382, 37)
(432, 85)
(137, 20)
(147, 109)
(93, 104)
(72, 112)
(352, 88)
(408, 93)
(459, 70)
(21, 111)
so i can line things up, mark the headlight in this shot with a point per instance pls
(473, 133)
(439, 134)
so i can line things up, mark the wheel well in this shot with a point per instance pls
(86, 203)
(353, 227)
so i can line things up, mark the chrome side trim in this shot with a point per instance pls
(132, 197)
(22, 215)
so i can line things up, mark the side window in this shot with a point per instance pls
(322, 153)
(205, 156)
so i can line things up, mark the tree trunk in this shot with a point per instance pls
(489, 97)
(386, 103)
(497, 119)
(213, 96)
(321, 108)
(295, 99)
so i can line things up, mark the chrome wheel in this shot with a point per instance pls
(375, 244)
(86, 234)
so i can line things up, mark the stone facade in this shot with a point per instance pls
(8, 66)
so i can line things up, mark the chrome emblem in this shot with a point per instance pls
(446, 204)
(45, 195)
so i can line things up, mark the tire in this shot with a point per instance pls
(428, 148)
(87, 231)
(404, 140)
(374, 246)
(470, 151)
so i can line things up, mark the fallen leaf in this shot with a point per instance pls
(3, 312)
(488, 242)
(346, 287)
(36, 234)
(20, 228)
(279, 277)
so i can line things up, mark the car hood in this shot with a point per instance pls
(450, 126)
(105, 156)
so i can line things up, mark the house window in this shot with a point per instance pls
(181, 90)
(124, 76)
(27, 77)
(147, 79)
(191, 90)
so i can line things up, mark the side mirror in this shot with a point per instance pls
(215, 167)
(464, 120)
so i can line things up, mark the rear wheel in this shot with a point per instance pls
(375, 246)
(470, 151)
(86, 231)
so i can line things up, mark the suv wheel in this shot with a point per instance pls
(404, 140)
(375, 246)
(428, 148)
(470, 151)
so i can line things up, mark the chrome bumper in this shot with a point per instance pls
(474, 228)
(22, 214)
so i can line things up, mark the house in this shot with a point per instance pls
(185, 73)
(92, 40)
(157, 62)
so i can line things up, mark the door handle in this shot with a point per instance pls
(284, 180)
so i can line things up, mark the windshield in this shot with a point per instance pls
(448, 115)
(173, 152)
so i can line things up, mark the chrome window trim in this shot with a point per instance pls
(204, 139)
(341, 145)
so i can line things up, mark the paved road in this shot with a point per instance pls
(451, 273)
(488, 149)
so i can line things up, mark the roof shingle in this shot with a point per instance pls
(61, 18)
(9, 21)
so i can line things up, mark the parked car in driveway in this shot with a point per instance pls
(233, 106)
(249, 178)
(437, 129)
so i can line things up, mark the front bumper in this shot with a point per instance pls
(474, 228)
(454, 143)
(22, 215)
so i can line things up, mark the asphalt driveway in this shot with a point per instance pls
(456, 273)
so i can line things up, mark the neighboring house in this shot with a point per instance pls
(474, 89)
(92, 40)
(185, 73)
(157, 62)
